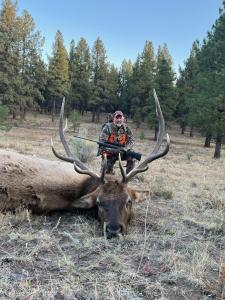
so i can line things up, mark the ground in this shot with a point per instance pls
(175, 246)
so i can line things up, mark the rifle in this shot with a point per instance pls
(115, 146)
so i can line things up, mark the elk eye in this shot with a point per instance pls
(98, 202)
(129, 202)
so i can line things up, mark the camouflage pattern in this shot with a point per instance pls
(113, 154)
(110, 128)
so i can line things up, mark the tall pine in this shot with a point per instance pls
(80, 73)
(58, 74)
(187, 90)
(164, 85)
(31, 64)
(142, 83)
(99, 79)
(10, 79)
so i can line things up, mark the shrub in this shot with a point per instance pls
(84, 150)
(189, 156)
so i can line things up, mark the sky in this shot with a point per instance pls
(125, 25)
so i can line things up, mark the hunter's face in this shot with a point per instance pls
(118, 120)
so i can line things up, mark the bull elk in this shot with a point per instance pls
(43, 186)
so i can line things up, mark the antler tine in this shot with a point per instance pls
(63, 130)
(103, 171)
(161, 131)
(87, 172)
(122, 169)
(65, 127)
(78, 165)
(68, 159)
(155, 154)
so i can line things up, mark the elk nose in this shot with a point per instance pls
(113, 230)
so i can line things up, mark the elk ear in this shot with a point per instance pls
(86, 201)
(142, 195)
(133, 195)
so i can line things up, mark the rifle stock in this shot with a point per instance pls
(120, 148)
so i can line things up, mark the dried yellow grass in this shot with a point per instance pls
(174, 249)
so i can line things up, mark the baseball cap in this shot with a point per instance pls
(118, 113)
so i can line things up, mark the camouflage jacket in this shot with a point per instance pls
(112, 133)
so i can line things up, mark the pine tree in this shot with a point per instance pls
(20, 60)
(135, 92)
(99, 81)
(31, 44)
(10, 80)
(125, 75)
(58, 73)
(142, 83)
(38, 69)
(211, 101)
(205, 87)
(164, 84)
(71, 58)
(147, 72)
(111, 102)
(187, 90)
(80, 73)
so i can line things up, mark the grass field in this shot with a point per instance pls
(175, 246)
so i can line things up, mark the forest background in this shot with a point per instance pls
(194, 98)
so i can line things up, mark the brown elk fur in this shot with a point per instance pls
(43, 186)
(40, 185)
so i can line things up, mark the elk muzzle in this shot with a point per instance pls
(113, 230)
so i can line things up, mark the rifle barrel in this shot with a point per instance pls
(100, 143)
(82, 138)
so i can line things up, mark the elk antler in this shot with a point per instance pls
(78, 165)
(155, 154)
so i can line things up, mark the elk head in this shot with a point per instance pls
(113, 197)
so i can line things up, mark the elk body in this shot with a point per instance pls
(43, 186)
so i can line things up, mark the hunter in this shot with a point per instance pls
(118, 133)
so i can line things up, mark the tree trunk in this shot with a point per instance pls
(183, 127)
(97, 117)
(208, 140)
(23, 113)
(14, 115)
(218, 145)
(38, 184)
(191, 132)
(93, 117)
(53, 111)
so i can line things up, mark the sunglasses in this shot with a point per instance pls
(118, 117)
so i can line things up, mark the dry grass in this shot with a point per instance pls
(175, 247)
